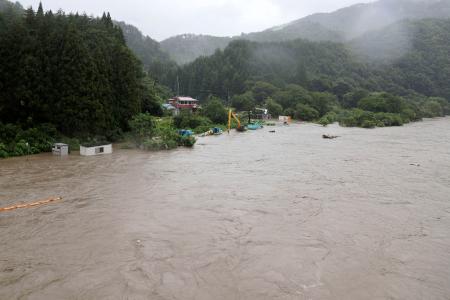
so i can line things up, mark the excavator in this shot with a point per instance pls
(231, 115)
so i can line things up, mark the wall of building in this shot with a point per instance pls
(91, 151)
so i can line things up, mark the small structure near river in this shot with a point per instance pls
(182, 103)
(60, 149)
(92, 150)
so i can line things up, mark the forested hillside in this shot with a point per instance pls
(73, 72)
(301, 61)
(6, 5)
(187, 47)
(155, 61)
(145, 48)
(422, 64)
(425, 68)
(339, 26)
(309, 80)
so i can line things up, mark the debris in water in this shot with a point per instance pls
(330, 137)
(29, 205)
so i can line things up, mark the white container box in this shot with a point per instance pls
(97, 150)
(60, 149)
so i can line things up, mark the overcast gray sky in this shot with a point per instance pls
(161, 19)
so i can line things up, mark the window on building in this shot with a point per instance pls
(99, 150)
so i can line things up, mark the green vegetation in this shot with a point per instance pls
(310, 79)
(154, 134)
(215, 111)
(71, 73)
(15, 141)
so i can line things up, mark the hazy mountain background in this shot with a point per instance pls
(340, 26)
(376, 31)
(5, 5)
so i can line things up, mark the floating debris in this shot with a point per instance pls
(330, 137)
(29, 205)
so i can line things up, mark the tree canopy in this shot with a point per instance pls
(73, 71)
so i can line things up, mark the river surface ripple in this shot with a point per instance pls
(259, 215)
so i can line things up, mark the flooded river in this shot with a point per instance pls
(259, 215)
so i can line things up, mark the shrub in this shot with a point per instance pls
(432, 109)
(388, 119)
(142, 127)
(3, 151)
(215, 111)
(188, 120)
(382, 102)
(17, 142)
(357, 118)
(244, 102)
(322, 102)
(305, 112)
(37, 139)
(21, 148)
(274, 108)
(8, 133)
(290, 112)
(187, 141)
(409, 115)
(158, 143)
(369, 123)
(329, 118)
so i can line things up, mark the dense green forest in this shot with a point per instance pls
(67, 74)
(68, 70)
(423, 68)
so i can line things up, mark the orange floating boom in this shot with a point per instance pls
(29, 205)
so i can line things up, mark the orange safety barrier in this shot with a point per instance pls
(28, 205)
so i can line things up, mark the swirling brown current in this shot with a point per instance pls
(256, 215)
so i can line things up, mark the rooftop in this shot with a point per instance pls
(186, 99)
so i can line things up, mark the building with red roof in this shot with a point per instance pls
(184, 103)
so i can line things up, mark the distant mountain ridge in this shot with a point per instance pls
(144, 47)
(5, 5)
(339, 26)
(187, 47)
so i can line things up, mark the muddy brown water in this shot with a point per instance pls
(259, 215)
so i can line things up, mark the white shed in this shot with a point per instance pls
(60, 149)
(96, 150)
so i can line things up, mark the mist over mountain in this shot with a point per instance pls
(187, 47)
(144, 47)
(339, 26)
(409, 57)
(7, 5)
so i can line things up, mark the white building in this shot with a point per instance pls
(96, 150)
(60, 149)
